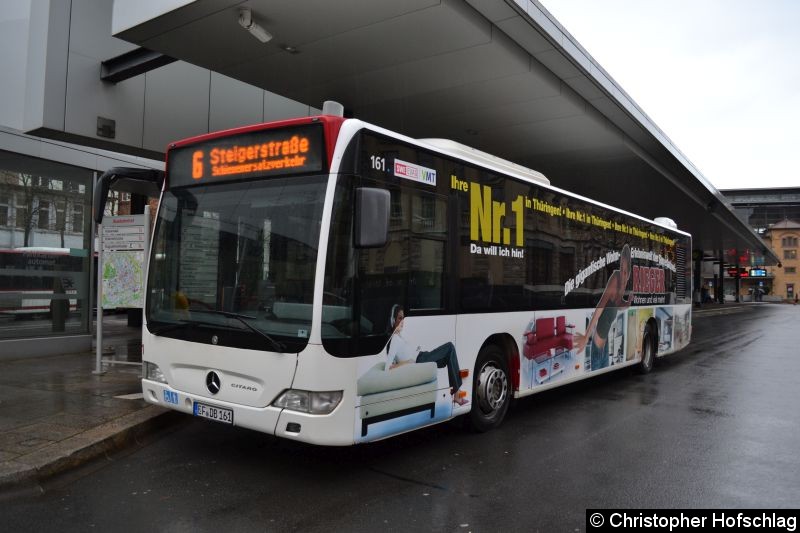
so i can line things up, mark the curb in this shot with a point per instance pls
(82, 448)
(720, 310)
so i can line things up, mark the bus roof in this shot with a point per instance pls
(508, 168)
(469, 153)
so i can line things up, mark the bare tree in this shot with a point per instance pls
(61, 218)
(31, 192)
(25, 186)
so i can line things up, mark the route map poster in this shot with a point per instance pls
(124, 244)
(123, 279)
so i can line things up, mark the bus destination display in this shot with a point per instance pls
(254, 154)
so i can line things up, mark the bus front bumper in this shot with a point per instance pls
(334, 429)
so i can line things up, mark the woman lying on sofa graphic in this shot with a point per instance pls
(615, 298)
(400, 352)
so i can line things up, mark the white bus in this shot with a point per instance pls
(329, 281)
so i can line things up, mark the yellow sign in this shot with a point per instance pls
(492, 222)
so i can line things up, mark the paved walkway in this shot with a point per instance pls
(56, 414)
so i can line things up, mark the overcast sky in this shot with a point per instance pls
(720, 77)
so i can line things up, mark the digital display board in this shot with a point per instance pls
(758, 272)
(263, 153)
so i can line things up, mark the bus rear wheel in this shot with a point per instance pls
(648, 351)
(491, 389)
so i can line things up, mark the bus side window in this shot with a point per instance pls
(410, 268)
(427, 249)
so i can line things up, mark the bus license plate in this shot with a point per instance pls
(218, 414)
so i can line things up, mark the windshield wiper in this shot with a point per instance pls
(183, 323)
(241, 318)
(169, 327)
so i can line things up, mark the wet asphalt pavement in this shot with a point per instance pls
(715, 426)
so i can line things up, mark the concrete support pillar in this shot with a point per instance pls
(717, 286)
(721, 290)
(738, 279)
(138, 205)
(697, 282)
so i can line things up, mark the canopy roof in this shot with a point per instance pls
(501, 76)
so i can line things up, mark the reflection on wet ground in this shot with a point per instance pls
(47, 399)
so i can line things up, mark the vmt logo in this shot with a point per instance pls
(428, 175)
(418, 173)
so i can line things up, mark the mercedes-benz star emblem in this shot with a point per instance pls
(214, 339)
(212, 382)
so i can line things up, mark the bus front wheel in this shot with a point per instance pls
(491, 389)
(648, 350)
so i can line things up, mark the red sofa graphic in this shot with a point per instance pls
(550, 337)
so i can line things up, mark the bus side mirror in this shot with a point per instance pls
(371, 217)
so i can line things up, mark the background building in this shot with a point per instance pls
(61, 126)
(773, 213)
(784, 237)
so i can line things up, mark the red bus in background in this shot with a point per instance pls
(32, 278)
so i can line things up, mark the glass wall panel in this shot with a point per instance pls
(45, 247)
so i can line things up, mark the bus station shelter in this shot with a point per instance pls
(501, 76)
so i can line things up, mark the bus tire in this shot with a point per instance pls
(648, 350)
(491, 389)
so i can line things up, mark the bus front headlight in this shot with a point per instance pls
(312, 402)
(153, 373)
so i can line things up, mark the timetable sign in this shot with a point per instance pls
(124, 233)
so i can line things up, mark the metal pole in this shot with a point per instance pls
(86, 320)
(146, 267)
(98, 369)
(698, 277)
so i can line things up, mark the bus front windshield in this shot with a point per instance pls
(233, 263)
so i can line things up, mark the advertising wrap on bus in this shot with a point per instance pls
(265, 310)
(554, 350)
